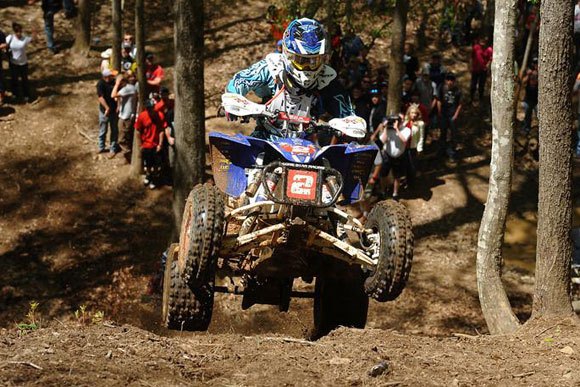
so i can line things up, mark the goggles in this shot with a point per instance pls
(304, 62)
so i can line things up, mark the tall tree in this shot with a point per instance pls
(189, 165)
(554, 248)
(492, 296)
(82, 42)
(136, 156)
(117, 33)
(396, 68)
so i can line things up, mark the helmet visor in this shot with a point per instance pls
(305, 62)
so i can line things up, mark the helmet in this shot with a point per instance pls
(304, 49)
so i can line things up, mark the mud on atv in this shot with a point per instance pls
(274, 216)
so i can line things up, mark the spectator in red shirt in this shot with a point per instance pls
(151, 126)
(153, 73)
(481, 56)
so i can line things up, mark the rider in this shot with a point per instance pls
(297, 81)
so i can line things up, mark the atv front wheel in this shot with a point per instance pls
(392, 243)
(201, 234)
(339, 301)
(184, 308)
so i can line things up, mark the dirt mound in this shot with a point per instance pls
(70, 354)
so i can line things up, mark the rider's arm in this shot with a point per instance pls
(336, 101)
(255, 78)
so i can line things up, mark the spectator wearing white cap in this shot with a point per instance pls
(107, 113)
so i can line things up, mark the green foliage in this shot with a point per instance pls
(84, 317)
(32, 320)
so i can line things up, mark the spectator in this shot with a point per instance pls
(427, 90)
(125, 92)
(127, 61)
(106, 62)
(408, 90)
(436, 70)
(153, 73)
(410, 61)
(3, 49)
(351, 45)
(360, 102)
(392, 138)
(530, 81)
(166, 106)
(129, 41)
(107, 113)
(17, 43)
(449, 106)
(414, 121)
(150, 125)
(49, 9)
(481, 56)
(364, 65)
(378, 109)
(365, 84)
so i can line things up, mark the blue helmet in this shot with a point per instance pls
(304, 49)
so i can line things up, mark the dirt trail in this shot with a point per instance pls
(75, 230)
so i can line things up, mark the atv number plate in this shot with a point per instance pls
(301, 184)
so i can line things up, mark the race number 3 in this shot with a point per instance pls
(301, 185)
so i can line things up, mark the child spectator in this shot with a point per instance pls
(107, 113)
(126, 94)
(414, 121)
(17, 44)
(151, 126)
(481, 56)
(392, 138)
(153, 73)
(448, 106)
(530, 81)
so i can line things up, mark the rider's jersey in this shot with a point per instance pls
(265, 79)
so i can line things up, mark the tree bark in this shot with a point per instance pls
(494, 302)
(117, 33)
(554, 248)
(189, 148)
(396, 68)
(82, 43)
(136, 156)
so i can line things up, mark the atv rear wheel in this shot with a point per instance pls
(392, 241)
(184, 308)
(202, 230)
(339, 301)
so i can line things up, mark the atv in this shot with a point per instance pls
(275, 214)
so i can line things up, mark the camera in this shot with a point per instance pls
(391, 121)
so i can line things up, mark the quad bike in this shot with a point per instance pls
(273, 216)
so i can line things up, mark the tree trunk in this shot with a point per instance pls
(82, 42)
(117, 34)
(189, 165)
(554, 248)
(495, 305)
(136, 156)
(396, 68)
